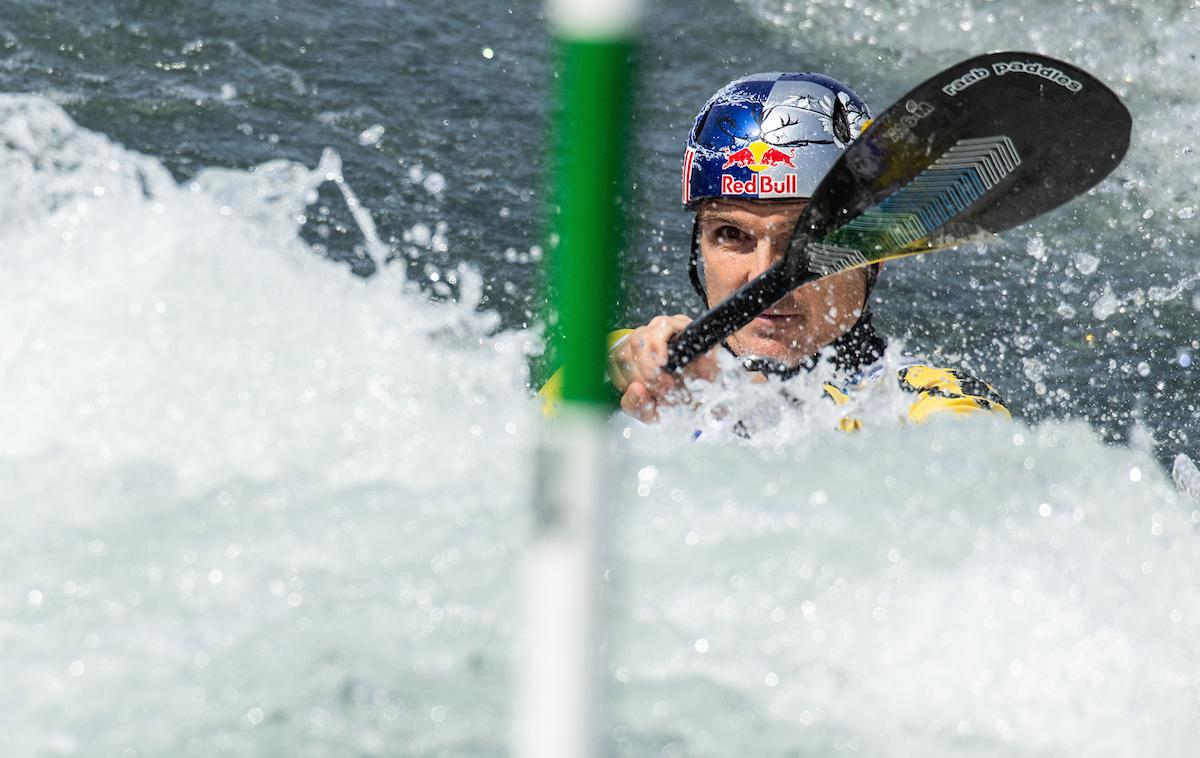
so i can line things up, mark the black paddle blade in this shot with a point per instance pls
(982, 147)
(979, 148)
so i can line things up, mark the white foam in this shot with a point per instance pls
(1186, 476)
(255, 505)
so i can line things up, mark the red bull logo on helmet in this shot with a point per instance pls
(759, 184)
(759, 156)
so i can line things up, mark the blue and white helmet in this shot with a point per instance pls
(770, 136)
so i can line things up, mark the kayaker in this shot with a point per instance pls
(756, 152)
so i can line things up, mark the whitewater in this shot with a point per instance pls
(257, 505)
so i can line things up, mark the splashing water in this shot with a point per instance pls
(1110, 302)
(1186, 476)
(256, 505)
(224, 456)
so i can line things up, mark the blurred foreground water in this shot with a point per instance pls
(258, 504)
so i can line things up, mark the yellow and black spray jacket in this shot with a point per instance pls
(937, 391)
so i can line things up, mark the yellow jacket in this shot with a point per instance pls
(937, 390)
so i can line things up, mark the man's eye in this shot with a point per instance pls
(730, 234)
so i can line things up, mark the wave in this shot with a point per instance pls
(255, 504)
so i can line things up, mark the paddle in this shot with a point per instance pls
(979, 148)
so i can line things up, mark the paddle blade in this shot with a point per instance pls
(982, 147)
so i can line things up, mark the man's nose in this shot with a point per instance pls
(770, 249)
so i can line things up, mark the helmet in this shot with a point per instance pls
(770, 136)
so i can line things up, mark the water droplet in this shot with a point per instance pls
(434, 183)
(1106, 305)
(1086, 263)
(371, 135)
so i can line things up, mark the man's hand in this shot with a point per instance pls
(635, 368)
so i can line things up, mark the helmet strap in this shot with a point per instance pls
(694, 263)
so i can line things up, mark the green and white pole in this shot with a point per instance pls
(558, 668)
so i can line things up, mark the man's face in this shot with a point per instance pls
(739, 239)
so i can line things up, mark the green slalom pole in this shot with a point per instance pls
(590, 154)
(558, 666)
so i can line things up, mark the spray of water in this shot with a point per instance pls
(256, 505)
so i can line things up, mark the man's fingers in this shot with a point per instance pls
(646, 366)
(632, 364)
(635, 367)
(639, 403)
(652, 341)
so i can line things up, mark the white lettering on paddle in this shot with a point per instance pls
(1037, 69)
(966, 80)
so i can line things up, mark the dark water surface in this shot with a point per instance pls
(460, 91)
